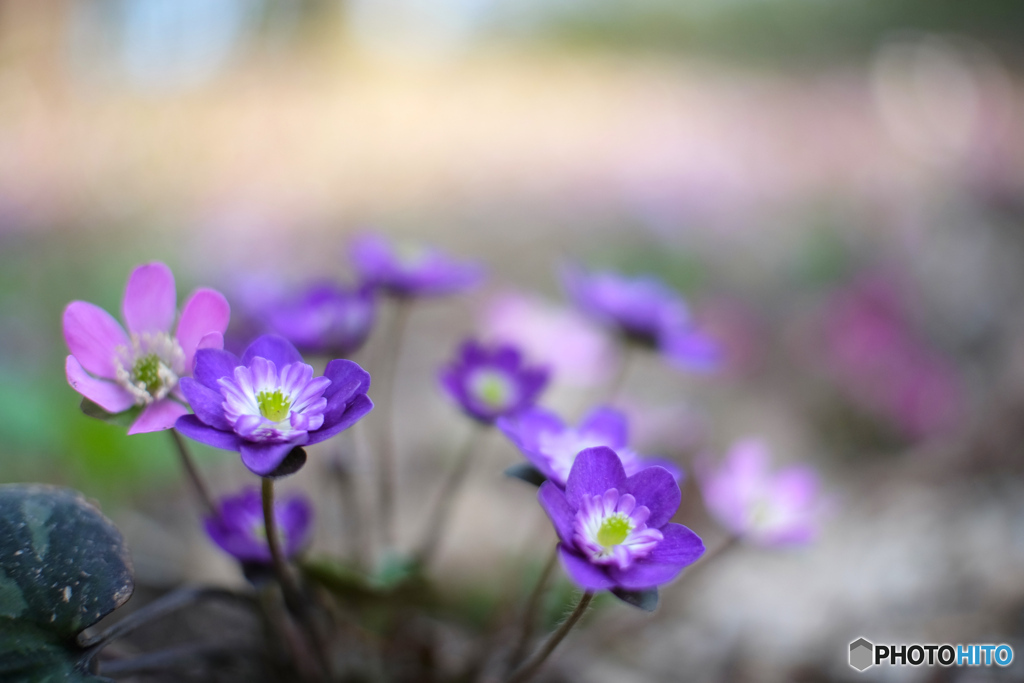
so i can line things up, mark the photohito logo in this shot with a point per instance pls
(865, 654)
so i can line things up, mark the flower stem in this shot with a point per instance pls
(193, 474)
(629, 353)
(387, 373)
(289, 585)
(527, 670)
(438, 519)
(530, 615)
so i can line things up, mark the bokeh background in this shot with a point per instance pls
(837, 187)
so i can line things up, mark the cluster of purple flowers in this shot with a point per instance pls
(611, 507)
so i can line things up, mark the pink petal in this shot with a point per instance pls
(205, 312)
(93, 336)
(158, 416)
(149, 299)
(107, 395)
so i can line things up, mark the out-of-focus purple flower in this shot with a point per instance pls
(614, 530)
(644, 310)
(758, 505)
(552, 446)
(874, 352)
(238, 528)
(491, 382)
(411, 270)
(325, 318)
(267, 402)
(573, 347)
(119, 370)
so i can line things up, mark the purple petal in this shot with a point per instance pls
(679, 546)
(558, 510)
(194, 428)
(675, 470)
(205, 312)
(93, 336)
(294, 515)
(207, 404)
(356, 409)
(263, 458)
(643, 574)
(347, 379)
(594, 471)
(608, 424)
(584, 574)
(274, 348)
(158, 416)
(149, 299)
(107, 395)
(691, 350)
(656, 488)
(524, 428)
(213, 364)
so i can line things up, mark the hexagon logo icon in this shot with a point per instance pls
(862, 654)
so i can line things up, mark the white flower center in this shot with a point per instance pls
(150, 368)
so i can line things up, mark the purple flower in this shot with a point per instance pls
(552, 446)
(409, 271)
(267, 402)
(614, 530)
(239, 530)
(644, 310)
(766, 508)
(325, 318)
(119, 370)
(491, 382)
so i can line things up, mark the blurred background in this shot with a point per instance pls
(836, 186)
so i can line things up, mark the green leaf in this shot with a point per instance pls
(122, 419)
(647, 600)
(29, 654)
(63, 565)
(527, 473)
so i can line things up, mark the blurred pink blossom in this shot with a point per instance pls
(885, 365)
(578, 352)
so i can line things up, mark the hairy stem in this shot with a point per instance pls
(386, 444)
(532, 605)
(193, 474)
(289, 584)
(438, 519)
(527, 670)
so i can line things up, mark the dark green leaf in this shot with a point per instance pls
(526, 472)
(122, 419)
(647, 600)
(63, 565)
(29, 654)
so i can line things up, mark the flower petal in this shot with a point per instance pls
(274, 348)
(263, 458)
(643, 574)
(347, 379)
(158, 416)
(584, 574)
(207, 404)
(194, 428)
(107, 395)
(93, 336)
(149, 299)
(205, 312)
(356, 409)
(561, 514)
(656, 488)
(594, 471)
(679, 545)
(211, 365)
(608, 424)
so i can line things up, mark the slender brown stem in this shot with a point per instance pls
(387, 373)
(532, 605)
(438, 519)
(527, 670)
(193, 474)
(289, 585)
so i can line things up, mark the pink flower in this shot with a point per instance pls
(120, 370)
